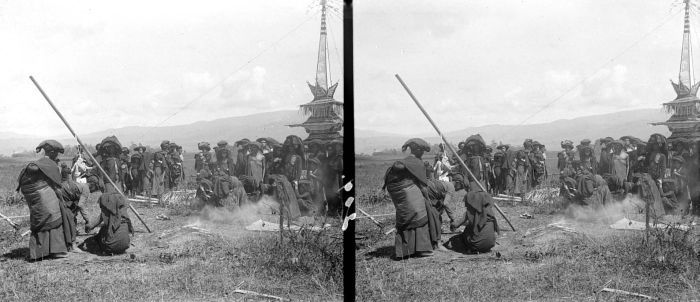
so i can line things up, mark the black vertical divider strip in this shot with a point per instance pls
(348, 153)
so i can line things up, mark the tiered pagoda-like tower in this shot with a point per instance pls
(685, 121)
(326, 114)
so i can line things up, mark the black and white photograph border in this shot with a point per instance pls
(173, 151)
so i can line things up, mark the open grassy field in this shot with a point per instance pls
(560, 254)
(198, 254)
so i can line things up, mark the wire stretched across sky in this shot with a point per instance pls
(589, 76)
(213, 87)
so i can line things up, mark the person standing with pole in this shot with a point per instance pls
(461, 162)
(88, 153)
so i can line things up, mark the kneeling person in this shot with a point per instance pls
(480, 223)
(115, 225)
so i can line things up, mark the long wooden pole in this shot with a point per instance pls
(14, 225)
(450, 146)
(88, 153)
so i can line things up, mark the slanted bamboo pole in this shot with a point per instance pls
(88, 153)
(461, 162)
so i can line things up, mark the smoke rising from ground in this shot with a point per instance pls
(239, 216)
(608, 213)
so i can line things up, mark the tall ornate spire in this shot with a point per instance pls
(325, 113)
(685, 85)
(322, 89)
(322, 66)
(684, 124)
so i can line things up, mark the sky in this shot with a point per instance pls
(471, 63)
(474, 63)
(139, 63)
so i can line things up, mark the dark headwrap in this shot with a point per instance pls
(50, 144)
(416, 143)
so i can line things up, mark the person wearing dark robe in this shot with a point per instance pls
(657, 149)
(509, 169)
(588, 160)
(111, 149)
(316, 190)
(116, 229)
(125, 171)
(489, 176)
(205, 187)
(74, 195)
(293, 161)
(255, 169)
(417, 222)
(650, 192)
(267, 146)
(224, 161)
(641, 163)
(241, 157)
(605, 161)
(569, 184)
(530, 155)
(566, 156)
(175, 159)
(539, 167)
(51, 223)
(592, 189)
(479, 234)
(520, 173)
(332, 172)
(202, 159)
(692, 173)
(473, 149)
(159, 178)
(276, 165)
(499, 169)
(137, 174)
(584, 143)
(97, 155)
(630, 146)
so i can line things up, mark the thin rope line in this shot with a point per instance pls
(235, 71)
(337, 54)
(599, 69)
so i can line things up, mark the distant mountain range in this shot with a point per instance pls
(273, 124)
(269, 124)
(633, 122)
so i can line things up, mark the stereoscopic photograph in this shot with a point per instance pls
(171, 151)
(328, 150)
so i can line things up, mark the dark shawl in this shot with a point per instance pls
(479, 210)
(48, 167)
(113, 206)
(417, 168)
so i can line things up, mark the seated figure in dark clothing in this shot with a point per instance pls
(479, 234)
(115, 225)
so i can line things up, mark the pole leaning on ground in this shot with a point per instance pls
(88, 153)
(450, 146)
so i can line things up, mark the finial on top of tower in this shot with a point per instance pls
(686, 85)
